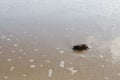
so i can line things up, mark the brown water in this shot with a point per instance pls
(36, 39)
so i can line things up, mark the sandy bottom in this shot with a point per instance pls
(36, 39)
(44, 53)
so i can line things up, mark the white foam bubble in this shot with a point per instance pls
(102, 66)
(41, 65)
(13, 51)
(61, 52)
(57, 48)
(47, 61)
(3, 36)
(12, 68)
(5, 77)
(107, 60)
(35, 50)
(15, 45)
(8, 39)
(21, 50)
(24, 75)
(119, 74)
(44, 55)
(31, 60)
(19, 57)
(50, 73)
(9, 59)
(101, 56)
(106, 78)
(32, 66)
(61, 64)
(72, 70)
(11, 35)
(83, 56)
(0, 52)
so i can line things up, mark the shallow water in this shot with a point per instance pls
(36, 39)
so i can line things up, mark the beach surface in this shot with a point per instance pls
(37, 36)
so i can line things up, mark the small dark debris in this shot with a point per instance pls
(82, 47)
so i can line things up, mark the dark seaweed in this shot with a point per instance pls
(82, 47)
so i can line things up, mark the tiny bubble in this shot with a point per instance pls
(8, 39)
(15, 45)
(13, 51)
(102, 66)
(119, 74)
(31, 60)
(9, 59)
(20, 50)
(24, 75)
(35, 50)
(101, 56)
(50, 73)
(0, 52)
(83, 56)
(32, 66)
(12, 68)
(107, 60)
(61, 52)
(57, 48)
(106, 78)
(5, 77)
(47, 61)
(41, 65)
(19, 57)
(44, 55)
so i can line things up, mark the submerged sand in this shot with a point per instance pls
(37, 45)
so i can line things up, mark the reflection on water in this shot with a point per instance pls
(36, 40)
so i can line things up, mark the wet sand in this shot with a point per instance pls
(38, 46)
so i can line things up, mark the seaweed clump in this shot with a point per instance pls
(82, 47)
